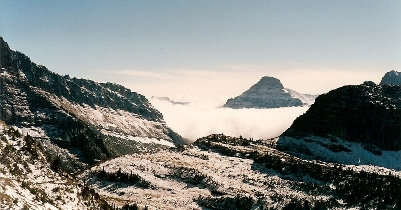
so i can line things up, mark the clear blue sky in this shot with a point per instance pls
(78, 37)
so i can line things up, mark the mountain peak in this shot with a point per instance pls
(3, 45)
(269, 92)
(4, 52)
(391, 78)
(269, 82)
(1, 39)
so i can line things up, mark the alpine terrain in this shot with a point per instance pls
(391, 78)
(68, 143)
(78, 120)
(269, 92)
(342, 153)
(355, 124)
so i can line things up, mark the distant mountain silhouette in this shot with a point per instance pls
(391, 78)
(170, 101)
(269, 92)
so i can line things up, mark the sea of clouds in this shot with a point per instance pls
(195, 120)
(208, 89)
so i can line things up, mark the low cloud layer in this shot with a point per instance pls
(210, 88)
(194, 121)
(216, 85)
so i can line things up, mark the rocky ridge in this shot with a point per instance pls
(80, 120)
(354, 124)
(366, 113)
(391, 78)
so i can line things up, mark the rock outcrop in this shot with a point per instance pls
(391, 78)
(269, 92)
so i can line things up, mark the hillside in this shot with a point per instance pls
(355, 124)
(31, 179)
(80, 120)
(222, 172)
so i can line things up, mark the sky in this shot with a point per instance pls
(209, 50)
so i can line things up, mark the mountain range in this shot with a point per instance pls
(68, 143)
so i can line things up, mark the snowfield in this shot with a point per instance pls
(111, 121)
(169, 172)
(350, 153)
(221, 172)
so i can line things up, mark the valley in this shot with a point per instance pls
(69, 143)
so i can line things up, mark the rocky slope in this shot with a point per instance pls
(391, 78)
(30, 179)
(222, 172)
(80, 120)
(269, 93)
(356, 124)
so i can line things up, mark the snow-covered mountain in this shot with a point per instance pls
(269, 92)
(355, 124)
(80, 120)
(222, 172)
(68, 143)
(391, 78)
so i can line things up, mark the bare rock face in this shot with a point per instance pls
(269, 92)
(86, 120)
(367, 113)
(391, 78)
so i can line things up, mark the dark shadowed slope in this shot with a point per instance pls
(391, 78)
(77, 118)
(365, 113)
(355, 124)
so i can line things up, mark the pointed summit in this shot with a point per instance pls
(4, 53)
(269, 92)
(267, 82)
(2, 40)
(391, 78)
(3, 46)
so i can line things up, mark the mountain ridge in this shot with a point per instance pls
(86, 120)
(355, 113)
(353, 124)
(391, 78)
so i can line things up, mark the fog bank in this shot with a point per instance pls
(194, 121)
